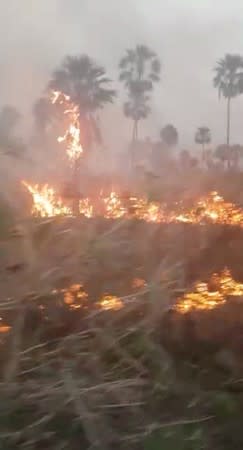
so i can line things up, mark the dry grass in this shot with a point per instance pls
(92, 379)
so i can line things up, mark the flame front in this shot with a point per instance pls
(211, 209)
(72, 135)
(210, 295)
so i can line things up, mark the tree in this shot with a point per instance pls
(139, 70)
(203, 137)
(228, 80)
(87, 85)
(169, 136)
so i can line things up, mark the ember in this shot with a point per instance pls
(212, 294)
(111, 302)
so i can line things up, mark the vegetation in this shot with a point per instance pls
(88, 86)
(139, 70)
(228, 80)
(169, 136)
(74, 374)
(203, 137)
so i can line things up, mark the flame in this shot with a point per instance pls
(111, 302)
(75, 296)
(211, 209)
(72, 135)
(46, 203)
(210, 295)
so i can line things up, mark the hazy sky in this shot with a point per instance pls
(188, 35)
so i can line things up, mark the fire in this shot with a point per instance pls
(212, 209)
(46, 203)
(111, 302)
(210, 295)
(72, 134)
(75, 296)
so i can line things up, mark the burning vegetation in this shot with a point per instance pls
(210, 209)
(206, 296)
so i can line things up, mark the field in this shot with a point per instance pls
(94, 352)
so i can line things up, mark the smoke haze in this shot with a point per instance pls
(188, 37)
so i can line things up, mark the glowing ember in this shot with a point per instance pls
(138, 283)
(46, 202)
(109, 302)
(75, 296)
(72, 134)
(210, 295)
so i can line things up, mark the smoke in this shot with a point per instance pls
(188, 39)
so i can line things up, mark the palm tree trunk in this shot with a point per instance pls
(203, 153)
(228, 129)
(134, 140)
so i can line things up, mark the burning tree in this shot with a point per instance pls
(87, 86)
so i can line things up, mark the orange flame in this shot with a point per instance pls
(210, 209)
(111, 302)
(204, 298)
(213, 209)
(72, 134)
(45, 201)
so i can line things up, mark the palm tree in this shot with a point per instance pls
(88, 87)
(228, 80)
(169, 135)
(139, 70)
(203, 137)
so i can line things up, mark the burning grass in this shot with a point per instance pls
(209, 209)
(83, 363)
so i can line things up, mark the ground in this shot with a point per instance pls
(75, 375)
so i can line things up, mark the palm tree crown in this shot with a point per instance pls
(229, 75)
(169, 135)
(229, 80)
(139, 70)
(203, 136)
(84, 81)
(87, 85)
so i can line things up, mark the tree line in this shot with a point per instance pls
(88, 86)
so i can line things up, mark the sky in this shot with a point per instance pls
(189, 36)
